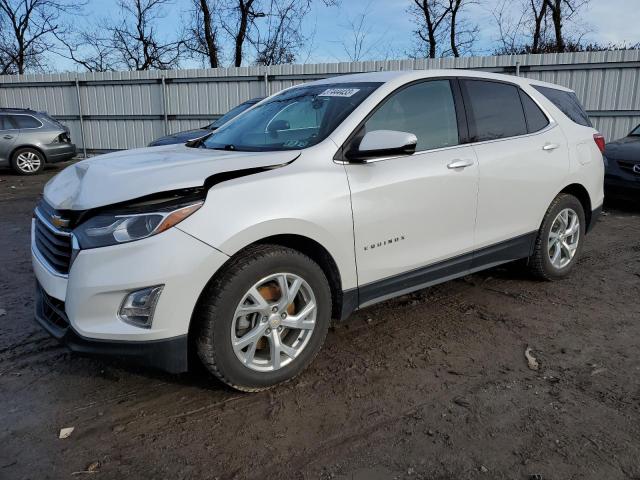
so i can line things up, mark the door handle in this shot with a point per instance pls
(460, 164)
(550, 146)
(8, 137)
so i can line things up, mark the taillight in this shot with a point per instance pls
(599, 139)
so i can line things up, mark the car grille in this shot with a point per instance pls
(53, 245)
(628, 167)
(51, 310)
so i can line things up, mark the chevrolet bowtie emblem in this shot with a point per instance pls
(59, 222)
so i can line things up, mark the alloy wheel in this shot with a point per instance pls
(273, 322)
(28, 162)
(564, 237)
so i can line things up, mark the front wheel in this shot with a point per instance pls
(262, 320)
(560, 238)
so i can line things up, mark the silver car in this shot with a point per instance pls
(29, 139)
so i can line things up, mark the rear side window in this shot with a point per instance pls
(494, 110)
(568, 104)
(26, 121)
(426, 109)
(536, 119)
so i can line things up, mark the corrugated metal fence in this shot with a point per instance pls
(108, 111)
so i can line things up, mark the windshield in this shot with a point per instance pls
(234, 112)
(295, 119)
(636, 131)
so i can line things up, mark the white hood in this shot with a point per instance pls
(121, 176)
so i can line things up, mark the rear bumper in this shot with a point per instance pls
(60, 152)
(168, 354)
(595, 215)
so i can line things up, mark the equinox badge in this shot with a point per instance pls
(383, 243)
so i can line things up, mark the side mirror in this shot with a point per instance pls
(278, 125)
(383, 143)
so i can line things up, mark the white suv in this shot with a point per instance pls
(322, 199)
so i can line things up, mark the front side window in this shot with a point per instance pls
(494, 110)
(636, 131)
(426, 109)
(567, 103)
(26, 121)
(6, 123)
(295, 119)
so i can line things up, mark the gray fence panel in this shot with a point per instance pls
(129, 109)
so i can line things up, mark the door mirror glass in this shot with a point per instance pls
(383, 143)
(278, 125)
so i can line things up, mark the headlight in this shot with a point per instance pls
(111, 229)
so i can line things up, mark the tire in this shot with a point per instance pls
(27, 161)
(217, 318)
(541, 263)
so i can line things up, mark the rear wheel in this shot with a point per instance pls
(264, 318)
(560, 239)
(27, 161)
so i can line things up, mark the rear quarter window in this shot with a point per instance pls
(567, 103)
(26, 121)
(536, 119)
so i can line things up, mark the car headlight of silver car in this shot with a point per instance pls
(114, 228)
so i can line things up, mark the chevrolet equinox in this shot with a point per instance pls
(322, 199)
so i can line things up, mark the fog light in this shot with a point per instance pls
(138, 307)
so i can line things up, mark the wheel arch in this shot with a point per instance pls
(582, 194)
(319, 254)
(33, 147)
(308, 246)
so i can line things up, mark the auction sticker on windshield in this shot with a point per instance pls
(339, 92)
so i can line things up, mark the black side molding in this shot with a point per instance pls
(502, 252)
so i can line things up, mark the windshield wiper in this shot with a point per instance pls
(229, 147)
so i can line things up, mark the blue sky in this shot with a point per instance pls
(390, 28)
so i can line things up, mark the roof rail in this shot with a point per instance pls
(15, 109)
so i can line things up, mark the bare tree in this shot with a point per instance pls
(540, 27)
(135, 38)
(280, 36)
(240, 20)
(539, 12)
(510, 29)
(87, 49)
(28, 32)
(428, 16)
(203, 39)
(561, 12)
(461, 34)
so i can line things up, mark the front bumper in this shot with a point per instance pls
(170, 355)
(618, 182)
(90, 297)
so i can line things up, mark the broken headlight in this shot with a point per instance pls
(111, 229)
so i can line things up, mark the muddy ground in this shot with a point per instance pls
(432, 385)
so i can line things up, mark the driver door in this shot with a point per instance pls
(414, 216)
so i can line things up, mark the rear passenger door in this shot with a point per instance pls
(8, 137)
(523, 160)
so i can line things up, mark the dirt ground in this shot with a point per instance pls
(433, 385)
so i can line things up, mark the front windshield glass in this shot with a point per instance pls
(295, 119)
(636, 131)
(234, 112)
